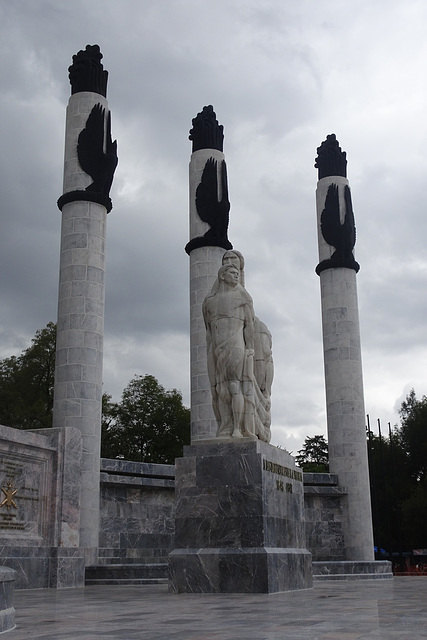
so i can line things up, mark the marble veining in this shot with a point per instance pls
(239, 522)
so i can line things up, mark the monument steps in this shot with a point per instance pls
(352, 570)
(133, 555)
(126, 573)
(127, 581)
(152, 559)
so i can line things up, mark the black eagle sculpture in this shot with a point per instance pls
(96, 162)
(341, 236)
(210, 209)
(97, 155)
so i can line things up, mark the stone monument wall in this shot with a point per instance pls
(39, 507)
(137, 511)
(324, 512)
(40, 536)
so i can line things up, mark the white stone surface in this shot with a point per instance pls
(204, 265)
(229, 318)
(240, 365)
(344, 392)
(80, 327)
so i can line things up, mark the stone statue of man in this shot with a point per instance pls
(240, 365)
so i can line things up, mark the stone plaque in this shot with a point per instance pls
(26, 491)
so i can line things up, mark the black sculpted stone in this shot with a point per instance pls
(211, 210)
(331, 160)
(87, 73)
(206, 132)
(100, 165)
(341, 236)
(93, 160)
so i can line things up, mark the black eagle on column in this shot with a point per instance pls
(342, 236)
(97, 156)
(97, 159)
(210, 209)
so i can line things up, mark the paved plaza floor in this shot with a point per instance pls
(373, 609)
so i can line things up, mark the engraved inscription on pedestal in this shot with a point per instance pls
(25, 492)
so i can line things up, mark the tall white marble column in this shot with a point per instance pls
(207, 244)
(342, 351)
(80, 327)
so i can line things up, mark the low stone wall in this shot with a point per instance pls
(137, 511)
(39, 507)
(324, 507)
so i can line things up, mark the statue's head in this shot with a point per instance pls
(229, 274)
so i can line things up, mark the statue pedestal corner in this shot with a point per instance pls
(239, 523)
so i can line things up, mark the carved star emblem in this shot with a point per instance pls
(9, 493)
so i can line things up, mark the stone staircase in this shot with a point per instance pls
(127, 572)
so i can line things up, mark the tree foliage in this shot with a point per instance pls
(150, 424)
(397, 464)
(313, 457)
(413, 434)
(389, 486)
(26, 383)
(398, 476)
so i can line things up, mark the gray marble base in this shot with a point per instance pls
(348, 570)
(249, 570)
(7, 610)
(66, 568)
(325, 504)
(239, 521)
(45, 567)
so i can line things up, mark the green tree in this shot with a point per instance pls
(150, 424)
(313, 457)
(413, 434)
(26, 383)
(389, 487)
(414, 520)
(109, 439)
(398, 474)
(413, 438)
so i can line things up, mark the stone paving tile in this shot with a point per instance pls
(359, 610)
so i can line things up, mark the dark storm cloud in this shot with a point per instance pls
(281, 76)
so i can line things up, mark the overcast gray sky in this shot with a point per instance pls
(281, 75)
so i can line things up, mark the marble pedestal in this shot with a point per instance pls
(239, 520)
(7, 610)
